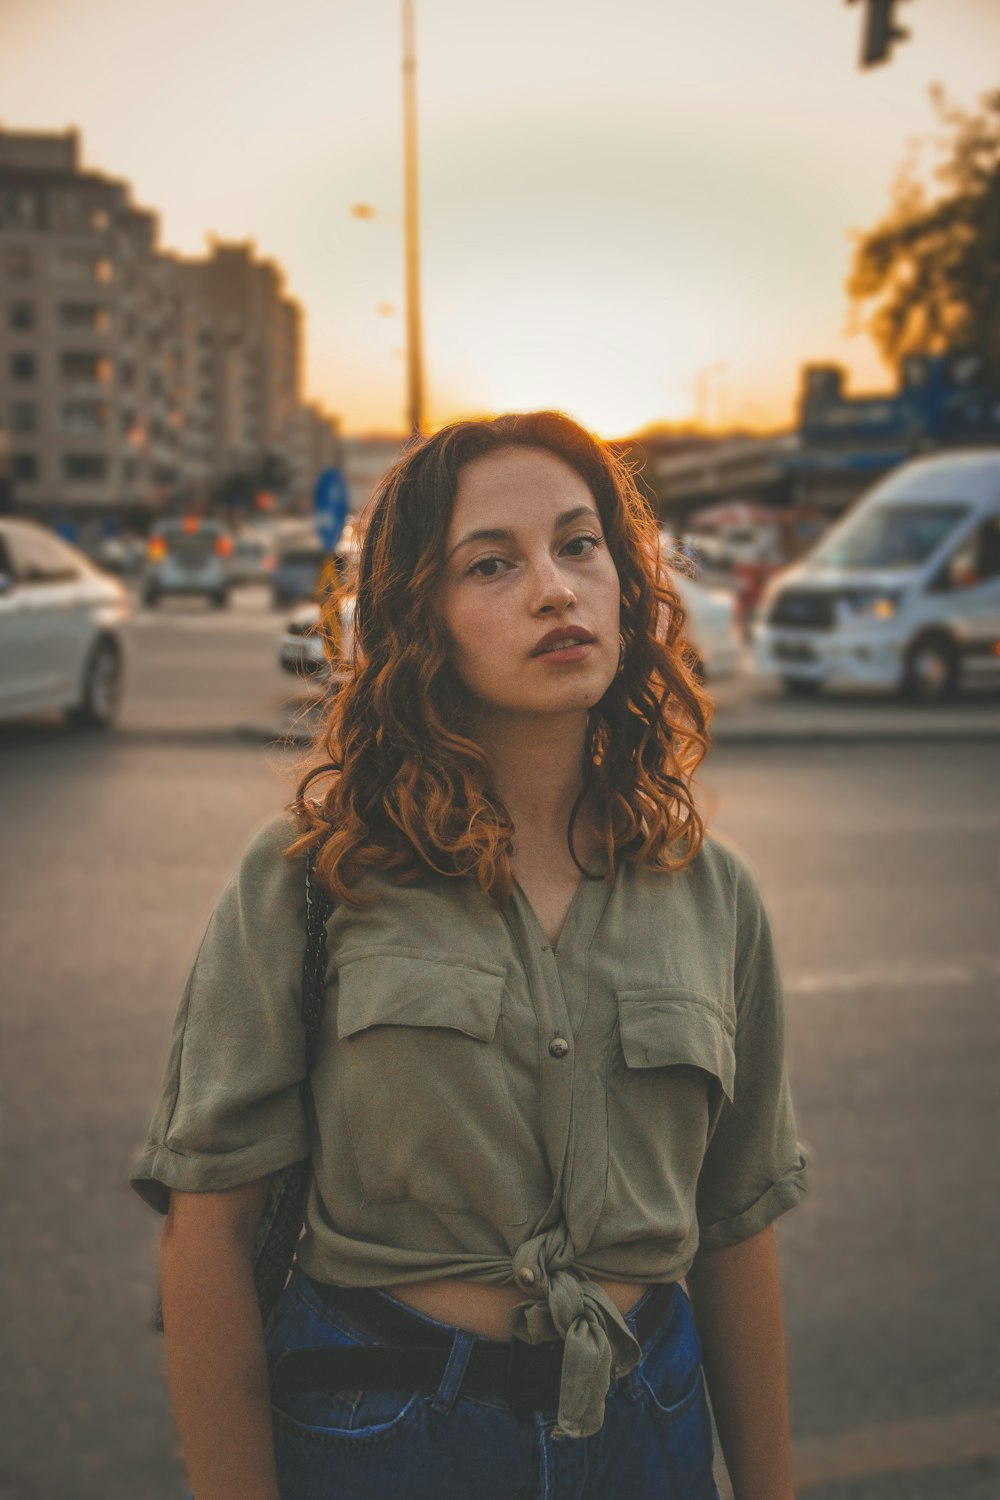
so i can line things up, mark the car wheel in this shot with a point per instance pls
(150, 597)
(221, 599)
(931, 670)
(101, 690)
(802, 687)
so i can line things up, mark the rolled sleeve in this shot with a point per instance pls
(230, 1107)
(754, 1169)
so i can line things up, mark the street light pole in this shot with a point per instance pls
(414, 338)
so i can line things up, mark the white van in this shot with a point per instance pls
(903, 593)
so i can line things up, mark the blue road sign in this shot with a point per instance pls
(330, 507)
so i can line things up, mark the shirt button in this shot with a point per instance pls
(526, 1276)
(558, 1047)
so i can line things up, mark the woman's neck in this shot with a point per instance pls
(537, 769)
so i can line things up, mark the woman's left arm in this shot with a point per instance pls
(736, 1297)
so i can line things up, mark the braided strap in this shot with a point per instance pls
(280, 1227)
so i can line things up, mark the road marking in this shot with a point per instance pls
(898, 1447)
(897, 976)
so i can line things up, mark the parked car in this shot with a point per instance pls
(188, 555)
(61, 620)
(712, 626)
(302, 649)
(902, 594)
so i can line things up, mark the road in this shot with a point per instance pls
(879, 863)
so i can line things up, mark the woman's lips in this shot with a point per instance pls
(569, 650)
(561, 640)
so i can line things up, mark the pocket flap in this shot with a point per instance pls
(397, 989)
(663, 1027)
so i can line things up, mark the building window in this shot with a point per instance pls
(24, 466)
(18, 209)
(75, 264)
(85, 369)
(23, 367)
(90, 315)
(100, 220)
(85, 466)
(126, 374)
(18, 265)
(83, 416)
(21, 315)
(24, 416)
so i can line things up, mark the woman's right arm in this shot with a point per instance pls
(214, 1342)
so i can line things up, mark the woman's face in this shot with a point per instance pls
(530, 596)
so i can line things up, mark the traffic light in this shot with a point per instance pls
(881, 31)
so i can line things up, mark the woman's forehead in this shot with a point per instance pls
(516, 481)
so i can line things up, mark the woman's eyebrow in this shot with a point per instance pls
(503, 534)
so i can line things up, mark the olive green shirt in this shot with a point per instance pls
(485, 1106)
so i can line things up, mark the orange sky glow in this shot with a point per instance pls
(638, 214)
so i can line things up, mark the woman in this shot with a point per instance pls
(550, 1081)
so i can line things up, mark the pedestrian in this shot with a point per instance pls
(549, 1085)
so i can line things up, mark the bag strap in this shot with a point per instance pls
(280, 1226)
(319, 905)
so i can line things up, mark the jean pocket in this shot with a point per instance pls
(303, 1321)
(669, 1375)
(347, 1418)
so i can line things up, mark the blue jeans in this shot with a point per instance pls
(655, 1444)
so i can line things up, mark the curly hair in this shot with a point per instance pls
(407, 787)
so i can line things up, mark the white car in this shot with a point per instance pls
(61, 619)
(711, 627)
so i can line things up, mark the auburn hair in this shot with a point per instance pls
(404, 788)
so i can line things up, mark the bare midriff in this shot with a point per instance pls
(486, 1310)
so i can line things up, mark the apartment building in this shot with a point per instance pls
(73, 250)
(133, 379)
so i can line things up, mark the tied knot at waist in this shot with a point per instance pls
(598, 1345)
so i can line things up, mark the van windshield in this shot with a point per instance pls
(889, 536)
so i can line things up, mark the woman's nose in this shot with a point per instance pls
(552, 593)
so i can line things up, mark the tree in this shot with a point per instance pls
(926, 280)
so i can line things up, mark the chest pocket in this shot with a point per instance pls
(671, 1027)
(666, 1082)
(420, 1058)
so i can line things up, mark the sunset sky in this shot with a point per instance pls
(621, 202)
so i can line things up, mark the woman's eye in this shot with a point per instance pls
(580, 546)
(487, 567)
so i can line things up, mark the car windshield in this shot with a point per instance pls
(889, 536)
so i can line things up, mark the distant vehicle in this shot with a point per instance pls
(902, 594)
(296, 573)
(252, 560)
(302, 650)
(61, 620)
(188, 555)
(711, 627)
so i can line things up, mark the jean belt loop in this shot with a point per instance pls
(454, 1372)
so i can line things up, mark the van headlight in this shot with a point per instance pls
(875, 604)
